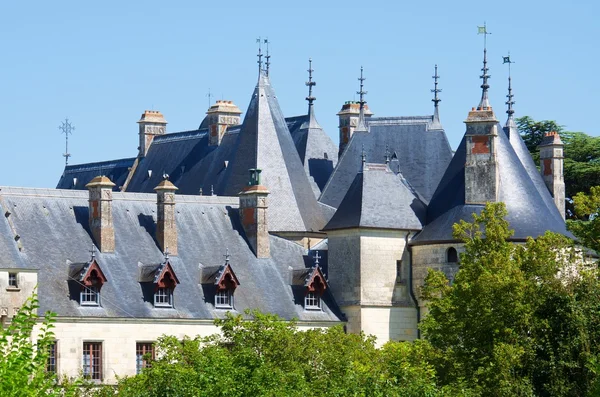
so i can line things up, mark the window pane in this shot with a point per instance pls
(89, 296)
(224, 299)
(163, 297)
(92, 360)
(312, 301)
(143, 351)
(51, 364)
(12, 280)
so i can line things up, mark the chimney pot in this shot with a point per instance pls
(100, 213)
(166, 225)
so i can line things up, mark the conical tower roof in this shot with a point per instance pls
(264, 142)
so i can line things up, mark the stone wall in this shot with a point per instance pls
(11, 299)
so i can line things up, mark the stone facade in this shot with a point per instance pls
(166, 226)
(368, 275)
(13, 296)
(119, 338)
(100, 218)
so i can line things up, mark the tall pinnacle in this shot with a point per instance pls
(436, 100)
(361, 116)
(510, 111)
(484, 104)
(267, 57)
(259, 55)
(310, 84)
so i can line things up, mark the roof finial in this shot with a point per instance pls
(363, 159)
(259, 41)
(316, 258)
(387, 154)
(66, 129)
(267, 57)
(209, 95)
(436, 100)
(166, 254)
(361, 115)
(310, 84)
(510, 111)
(93, 252)
(484, 104)
(212, 190)
(227, 256)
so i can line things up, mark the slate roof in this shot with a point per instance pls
(379, 198)
(531, 210)
(317, 151)
(77, 176)
(265, 142)
(53, 229)
(419, 152)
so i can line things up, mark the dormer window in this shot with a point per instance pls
(309, 283)
(222, 281)
(88, 279)
(165, 285)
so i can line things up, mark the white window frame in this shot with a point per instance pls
(160, 295)
(15, 277)
(224, 299)
(88, 292)
(312, 301)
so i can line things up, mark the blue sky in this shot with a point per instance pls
(103, 63)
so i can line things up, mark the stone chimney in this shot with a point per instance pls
(481, 168)
(348, 117)
(551, 164)
(253, 213)
(151, 123)
(166, 226)
(101, 220)
(221, 115)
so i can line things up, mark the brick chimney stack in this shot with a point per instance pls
(348, 118)
(166, 226)
(100, 209)
(221, 115)
(481, 167)
(253, 213)
(151, 123)
(551, 164)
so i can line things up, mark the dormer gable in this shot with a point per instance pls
(313, 284)
(165, 276)
(85, 281)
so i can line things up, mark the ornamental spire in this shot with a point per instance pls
(510, 111)
(267, 57)
(310, 84)
(484, 104)
(436, 100)
(259, 55)
(361, 115)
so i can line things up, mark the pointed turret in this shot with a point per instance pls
(265, 143)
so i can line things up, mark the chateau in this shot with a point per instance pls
(263, 212)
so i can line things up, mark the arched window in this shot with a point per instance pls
(451, 255)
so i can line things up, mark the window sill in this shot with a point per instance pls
(13, 289)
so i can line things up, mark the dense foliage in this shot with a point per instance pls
(519, 319)
(586, 223)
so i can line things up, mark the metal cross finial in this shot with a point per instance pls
(510, 111)
(259, 41)
(210, 96)
(166, 253)
(484, 104)
(227, 256)
(310, 84)
(267, 57)
(93, 251)
(317, 257)
(66, 129)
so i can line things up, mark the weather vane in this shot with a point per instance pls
(310, 84)
(510, 111)
(268, 56)
(260, 55)
(209, 96)
(66, 129)
(227, 256)
(362, 92)
(484, 104)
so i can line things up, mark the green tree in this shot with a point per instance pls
(586, 223)
(518, 320)
(23, 362)
(533, 132)
(271, 357)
